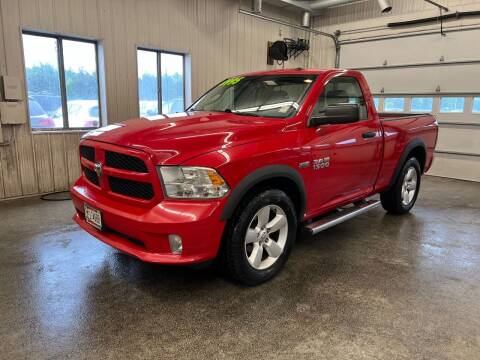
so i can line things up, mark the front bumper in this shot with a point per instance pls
(143, 232)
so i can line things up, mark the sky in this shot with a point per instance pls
(147, 63)
(43, 50)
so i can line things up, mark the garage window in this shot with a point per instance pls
(452, 104)
(376, 101)
(421, 104)
(476, 105)
(394, 104)
(161, 84)
(62, 82)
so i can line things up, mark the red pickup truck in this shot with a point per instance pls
(251, 161)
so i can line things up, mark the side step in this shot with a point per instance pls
(342, 215)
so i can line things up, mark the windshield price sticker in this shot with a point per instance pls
(232, 81)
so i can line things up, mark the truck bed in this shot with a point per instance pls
(386, 116)
(400, 130)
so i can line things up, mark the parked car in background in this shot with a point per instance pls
(81, 113)
(252, 160)
(39, 118)
(148, 108)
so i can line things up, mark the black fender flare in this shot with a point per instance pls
(411, 145)
(259, 175)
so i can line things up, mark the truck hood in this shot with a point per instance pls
(173, 139)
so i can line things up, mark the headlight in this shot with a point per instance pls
(186, 182)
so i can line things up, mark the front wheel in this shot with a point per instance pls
(402, 196)
(260, 237)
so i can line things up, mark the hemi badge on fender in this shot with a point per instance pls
(304, 164)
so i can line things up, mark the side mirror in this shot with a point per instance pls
(337, 114)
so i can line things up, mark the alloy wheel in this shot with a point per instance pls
(409, 186)
(266, 237)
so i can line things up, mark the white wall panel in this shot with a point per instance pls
(425, 79)
(464, 139)
(413, 50)
(407, 81)
(456, 166)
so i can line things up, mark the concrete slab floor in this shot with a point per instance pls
(379, 286)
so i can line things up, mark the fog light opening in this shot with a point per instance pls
(175, 243)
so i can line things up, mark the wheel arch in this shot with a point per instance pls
(416, 148)
(282, 177)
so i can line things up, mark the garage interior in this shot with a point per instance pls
(376, 287)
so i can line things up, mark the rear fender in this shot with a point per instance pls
(408, 149)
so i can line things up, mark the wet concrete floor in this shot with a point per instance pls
(378, 286)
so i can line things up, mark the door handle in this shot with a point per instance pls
(369, 135)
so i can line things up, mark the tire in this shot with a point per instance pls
(402, 196)
(255, 257)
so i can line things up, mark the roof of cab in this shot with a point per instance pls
(296, 71)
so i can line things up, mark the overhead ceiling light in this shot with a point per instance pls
(385, 6)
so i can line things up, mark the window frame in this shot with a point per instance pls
(158, 53)
(473, 105)
(63, 87)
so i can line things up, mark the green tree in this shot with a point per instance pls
(43, 82)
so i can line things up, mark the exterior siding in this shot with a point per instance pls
(217, 39)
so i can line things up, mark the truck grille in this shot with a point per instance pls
(123, 171)
(91, 176)
(87, 152)
(125, 162)
(136, 189)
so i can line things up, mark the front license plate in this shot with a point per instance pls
(93, 216)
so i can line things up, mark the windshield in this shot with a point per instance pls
(277, 96)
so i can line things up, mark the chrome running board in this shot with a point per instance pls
(343, 214)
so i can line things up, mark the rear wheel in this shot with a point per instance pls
(402, 196)
(260, 236)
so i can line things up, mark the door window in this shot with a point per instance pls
(342, 90)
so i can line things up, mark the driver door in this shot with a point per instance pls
(345, 157)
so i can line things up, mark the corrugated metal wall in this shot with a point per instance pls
(219, 41)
